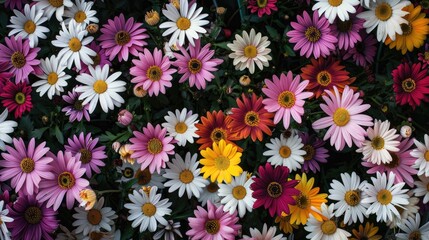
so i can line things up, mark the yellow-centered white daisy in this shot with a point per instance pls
(422, 155)
(53, 80)
(6, 127)
(81, 12)
(286, 152)
(181, 126)
(53, 6)
(327, 229)
(334, 8)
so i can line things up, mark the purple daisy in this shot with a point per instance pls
(90, 155)
(347, 31)
(31, 219)
(315, 152)
(75, 110)
(401, 164)
(19, 57)
(197, 65)
(25, 166)
(99, 59)
(364, 52)
(121, 38)
(423, 56)
(312, 36)
(15, 4)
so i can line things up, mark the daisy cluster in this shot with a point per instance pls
(180, 119)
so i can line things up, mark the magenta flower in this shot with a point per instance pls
(401, 164)
(25, 166)
(423, 56)
(152, 72)
(100, 59)
(347, 31)
(262, 7)
(90, 156)
(17, 98)
(5, 76)
(19, 57)
(151, 147)
(15, 4)
(273, 190)
(121, 38)
(213, 224)
(75, 110)
(67, 181)
(312, 36)
(31, 219)
(286, 97)
(364, 52)
(315, 152)
(197, 65)
(344, 118)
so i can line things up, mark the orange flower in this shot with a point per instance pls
(369, 232)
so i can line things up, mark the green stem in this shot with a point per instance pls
(109, 191)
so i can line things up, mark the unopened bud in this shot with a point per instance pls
(245, 80)
(152, 17)
(406, 131)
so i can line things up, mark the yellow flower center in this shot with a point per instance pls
(33, 215)
(395, 161)
(154, 73)
(143, 177)
(96, 235)
(302, 201)
(222, 162)
(377, 143)
(100, 86)
(66, 180)
(128, 172)
(27, 165)
(250, 51)
(286, 99)
(80, 16)
(18, 59)
(426, 155)
(341, 117)
(274, 189)
(251, 118)
(285, 151)
(217, 135)
(212, 187)
(309, 152)
(212, 226)
(186, 176)
(20, 98)
(261, 3)
(352, 197)
(94, 216)
(383, 11)
(148, 209)
(74, 44)
(239, 192)
(415, 235)
(324, 78)
(329, 227)
(122, 38)
(384, 197)
(406, 28)
(194, 66)
(344, 26)
(154, 146)
(56, 3)
(408, 85)
(183, 23)
(181, 127)
(312, 34)
(426, 55)
(52, 78)
(85, 156)
(335, 3)
(29, 27)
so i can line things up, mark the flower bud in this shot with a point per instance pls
(92, 28)
(220, 10)
(116, 146)
(125, 117)
(139, 91)
(152, 17)
(406, 131)
(244, 80)
(88, 198)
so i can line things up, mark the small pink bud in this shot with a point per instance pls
(125, 117)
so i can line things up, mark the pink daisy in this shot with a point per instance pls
(197, 65)
(151, 147)
(100, 59)
(152, 72)
(344, 121)
(121, 38)
(90, 156)
(25, 166)
(262, 7)
(19, 57)
(213, 223)
(315, 152)
(4, 76)
(347, 31)
(312, 36)
(286, 97)
(75, 110)
(401, 164)
(67, 181)
(17, 98)
(364, 51)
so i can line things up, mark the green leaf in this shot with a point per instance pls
(59, 135)
(38, 133)
(222, 45)
(273, 33)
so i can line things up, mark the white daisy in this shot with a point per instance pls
(147, 209)
(348, 195)
(249, 50)
(184, 22)
(326, 229)
(168, 231)
(100, 87)
(82, 13)
(409, 210)
(142, 178)
(4, 232)
(266, 234)
(6, 127)
(181, 126)
(286, 152)
(237, 194)
(210, 193)
(422, 188)
(412, 230)
(54, 79)
(384, 196)
(386, 16)
(422, 155)
(74, 45)
(95, 219)
(51, 6)
(381, 141)
(28, 25)
(334, 8)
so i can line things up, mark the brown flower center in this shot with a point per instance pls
(395, 161)
(128, 172)
(312, 34)
(212, 226)
(335, 3)
(194, 66)
(143, 177)
(239, 192)
(329, 227)
(309, 152)
(148, 209)
(122, 38)
(352, 197)
(186, 176)
(33, 215)
(52, 78)
(251, 118)
(80, 16)
(344, 26)
(27, 165)
(66, 180)
(75, 45)
(285, 151)
(324, 78)
(408, 85)
(302, 201)
(85, 156)
(18, 59)
(29, 27)
(181, 127)
(94, 216)
(78, 105)
(96, 60)
(250, 51)
(218, 134)
(286, 99)
(154, 73)
(426, 155)
(415, 235)
(212, 187)
(154, 146)
(377, 143)
(383, 11)
(56, 3)
(183, 23)
(274, 189)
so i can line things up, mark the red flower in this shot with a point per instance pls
(17, 98)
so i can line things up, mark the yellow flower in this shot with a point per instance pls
(125, 153)
(309, 197)
(368, 233)
(88, 198)
(221, 162)
(413, 33)
(284, 223)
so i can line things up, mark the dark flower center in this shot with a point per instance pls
(312, 34)
(122, 38)
(143, 177)
(194, 66)
(33, 215)
(344, 26)
(274, 189)
(408, 85)
(94, 216)
(18, 59)
(212, 226)
(406, 29)
(78, 105)
(85, 156)
(309, 152)
(66, 180)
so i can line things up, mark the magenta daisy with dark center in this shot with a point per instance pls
(262, 7)
(273, 190)
(91, 157)
(312, 36)
(364, 51)
(197, 65)
(17, 98)
(31, 219)
(120, 38)
(347, 31)
(19, 57)
(315, 154)
(75, 109)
